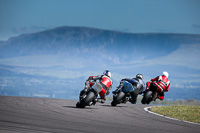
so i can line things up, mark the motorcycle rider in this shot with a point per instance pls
(104, 81)
(137, 83)
(162, 82)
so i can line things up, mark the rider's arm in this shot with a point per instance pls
(126, 79)
(97, 77)
(167, 88)
(121, 82)
(144, 88)
(90, 78)
(133, 81)
(155, 79)
(94, 77)
(108, 91)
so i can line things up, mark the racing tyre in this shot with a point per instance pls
(148, 97)
(143, 101)
(79, 105)
(113, 103)
(118, 98)
(89, 98)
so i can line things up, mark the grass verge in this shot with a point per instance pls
(182, 112)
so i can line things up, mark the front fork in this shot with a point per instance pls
(154, 96)
(84, 95)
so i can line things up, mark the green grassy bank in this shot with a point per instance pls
(182, 112)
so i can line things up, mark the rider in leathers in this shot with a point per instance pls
(137, 83)
(162, 82)
(104, 81)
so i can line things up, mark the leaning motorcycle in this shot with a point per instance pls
(150, 94)
(124, 95)
(90, 97)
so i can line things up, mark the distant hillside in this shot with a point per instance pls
(55, 63)
(83, 40)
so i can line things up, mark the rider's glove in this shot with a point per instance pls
(114, 92)
(108, 92)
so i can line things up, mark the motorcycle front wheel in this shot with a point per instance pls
(80, 105)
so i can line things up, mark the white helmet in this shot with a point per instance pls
(107, 73)
(166, 74)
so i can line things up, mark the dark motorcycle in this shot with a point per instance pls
(124, 95)
(90, 97)
(150, 95)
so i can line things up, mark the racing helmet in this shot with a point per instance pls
(107, 73)
(140, 76)
(166, 74)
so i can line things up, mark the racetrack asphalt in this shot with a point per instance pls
(43, 115)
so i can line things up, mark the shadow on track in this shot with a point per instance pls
(113, 106)
(87, 107)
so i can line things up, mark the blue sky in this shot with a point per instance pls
(136, 16)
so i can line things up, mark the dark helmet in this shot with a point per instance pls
(140, 76)
(107, 73)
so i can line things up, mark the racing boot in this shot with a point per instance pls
(101, 100)
(133, 98)
(118, 89)
(133, 101)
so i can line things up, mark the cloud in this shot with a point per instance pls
(184, 86)
(186, 55)
(196, 26)
(166, 31)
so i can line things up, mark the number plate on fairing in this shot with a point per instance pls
(97, 87)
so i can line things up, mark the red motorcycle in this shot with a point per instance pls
(150, 94)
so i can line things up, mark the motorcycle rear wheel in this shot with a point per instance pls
(118, 98)
(147, 97)
(89, 98)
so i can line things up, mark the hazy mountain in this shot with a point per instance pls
(82, 40)
(56, 62)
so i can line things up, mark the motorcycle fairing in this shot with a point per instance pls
(127, 87)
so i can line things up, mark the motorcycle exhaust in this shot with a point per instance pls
(127, 98)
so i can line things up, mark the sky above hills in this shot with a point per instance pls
(135, 16)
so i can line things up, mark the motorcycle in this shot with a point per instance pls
(124, 95)
(150, 94)
(89, 97)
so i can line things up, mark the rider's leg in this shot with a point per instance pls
(118, 88)
(87, 86)
(161, 95)
(148, 85)
(102, 94)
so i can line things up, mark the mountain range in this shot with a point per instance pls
(56, 62)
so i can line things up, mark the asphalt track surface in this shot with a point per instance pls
(43, 115)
